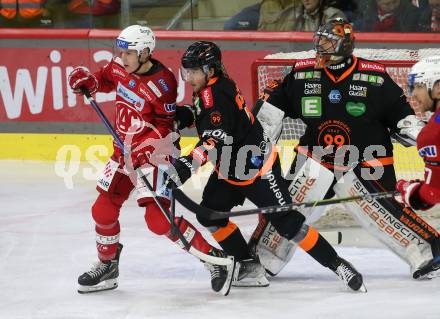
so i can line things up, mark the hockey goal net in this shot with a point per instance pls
(408, 164)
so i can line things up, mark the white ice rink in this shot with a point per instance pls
(47, 240)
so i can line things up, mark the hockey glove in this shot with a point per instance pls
(80, 77)
(180, 172)
(410, 126)
(185, 116)
(410, 194)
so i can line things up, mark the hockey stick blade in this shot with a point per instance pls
(210, 214)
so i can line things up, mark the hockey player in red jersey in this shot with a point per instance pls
(424, 84)
(145, 109)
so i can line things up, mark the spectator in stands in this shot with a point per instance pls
(431, 13)
(262, 13)
(92, 14)
(26, 13)
(246, 19)
(391, 16)
(305, 16)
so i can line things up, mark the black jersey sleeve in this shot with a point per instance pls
(395, 103)
(280, 94)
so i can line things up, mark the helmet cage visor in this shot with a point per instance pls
(196, 72)
(327, 43)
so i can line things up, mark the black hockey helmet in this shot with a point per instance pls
(203, 54)
(333, 41)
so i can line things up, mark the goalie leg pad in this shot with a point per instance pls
(386, 220)
(311, 181)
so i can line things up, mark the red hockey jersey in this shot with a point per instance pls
(145, 104)
(428, 145)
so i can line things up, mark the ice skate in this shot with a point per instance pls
(351, 278)
(103, 276)
(221, 276)
(250, 274)
(428, 271)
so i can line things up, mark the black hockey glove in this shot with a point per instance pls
(180, 172)
(185, 116)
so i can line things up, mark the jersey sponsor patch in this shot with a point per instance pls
(371, 66)
(118, 71)
(357, 90)
(311, 106)
(154, 88)
(301, 64)
(163, 84)
(428, 151)
(216, 118)
(142, 89)
(335, 96)
(207, 98)
(437, 118)
(131, 83)
(355, 109)
(376, 80)
(121, 44)
(169, 107)
(132, 98)
(312, 88)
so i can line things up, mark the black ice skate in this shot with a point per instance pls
(428, 271)
(221, 276)
(250, 274)
(351, 278)
(103, 276)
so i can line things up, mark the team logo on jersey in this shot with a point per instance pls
(355, 109)
(132, 83)
(163, 84)
(428, 151)
(154, 88)
(357, 90)
(130, 97)
(311, 106)
(335, 96)
(171, 107)
(216, 118)
(312, 88)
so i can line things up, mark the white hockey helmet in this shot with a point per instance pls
(136, 37)
(426, 71)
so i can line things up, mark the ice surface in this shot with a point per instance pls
(47, 240)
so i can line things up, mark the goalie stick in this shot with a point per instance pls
(210, 214)
(228, 261)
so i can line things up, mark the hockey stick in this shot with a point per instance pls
(210, 214)
(202, 256)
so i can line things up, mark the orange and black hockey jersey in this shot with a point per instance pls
(224, 123)
(358, 108)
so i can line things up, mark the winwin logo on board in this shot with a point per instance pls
(311, 106)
